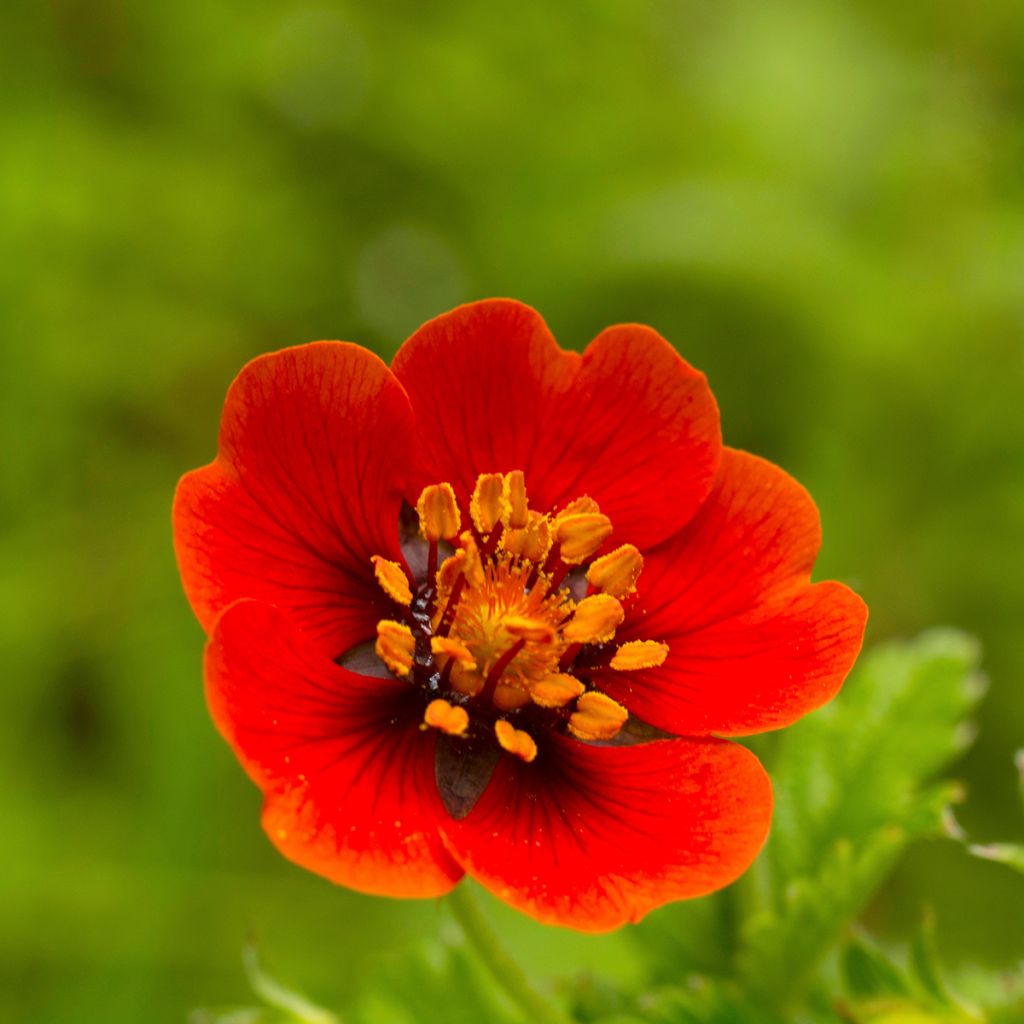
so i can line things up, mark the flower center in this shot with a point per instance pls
(502, 636)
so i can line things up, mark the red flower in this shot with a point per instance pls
(461, 609)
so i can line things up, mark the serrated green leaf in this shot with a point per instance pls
(869, 974)
(783, 946)
(704, 1001)
(435, 982)
(858, 764)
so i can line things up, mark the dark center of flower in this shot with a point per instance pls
(501, 638)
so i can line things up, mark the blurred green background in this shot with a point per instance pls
(822, 205)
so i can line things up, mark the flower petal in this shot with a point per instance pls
(629, 423)
(347, 774)
(753, 645)
(593, 837)
(306, 487)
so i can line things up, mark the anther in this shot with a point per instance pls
(581, 534)
(556, 691)
(488, 504)
(515, 741)
(517, 509)
(617, 572)
(534, 630)
(597, 717)
(637, 654)
(449, 718)
(395, 646)
(595, 620)
(439, 513)
(392, 580)
(533, 541)
(508, 697)
(579, 506)
(454, 649)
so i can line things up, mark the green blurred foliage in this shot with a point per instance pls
(822, 205)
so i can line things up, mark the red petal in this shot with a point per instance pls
(630, 423)
(752, 644)
(307, 485)
(347, 773)
(593, 837)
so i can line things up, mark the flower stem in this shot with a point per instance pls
(506, 972)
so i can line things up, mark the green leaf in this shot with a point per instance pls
(852, 788)
(859, 763)
(869, 974)
(439, 981)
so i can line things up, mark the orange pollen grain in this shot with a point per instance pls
(392, 580)
(617, 572)
(595, 620)
(597, 717)
(581, 534)
(639, 654)
(395, 646)
(515, 741)
(438, 512)
(449, 718)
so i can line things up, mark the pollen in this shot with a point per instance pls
(617, 572)
(595, 620)
(581, 534)
(449, 718)
(556, 691)
(455, 649)
(597, 717)
(532, 541)
(392, 580)
(515, 741)
(395, 646)
(439, 514)
(639, 654)
(501, 629)
(517, 508)
(489, 503)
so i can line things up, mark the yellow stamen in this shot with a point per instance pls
(556, 691)
(534, 630)
(639, 654)
(597, 717)
(515, 741)
(453, 649)
(392, 579)
(533, 541)
(451, 569)
(581, 534)
(449, 718)
(465, 680)
(439, 513)
(515, 498)
(617, 572)
(508, 698)
(579, 506)
(595, 620)
(473, 567)
(395, 646)
(488, 504)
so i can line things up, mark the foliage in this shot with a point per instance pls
(855, 784)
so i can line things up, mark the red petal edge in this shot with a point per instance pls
(753, 644)
(306, 486)
(593, 837)
(347, 774)
(630, 423)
